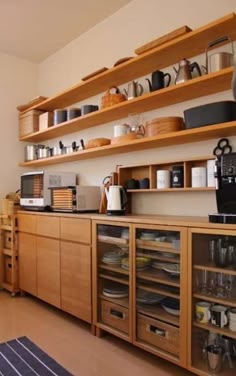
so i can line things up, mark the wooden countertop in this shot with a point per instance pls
(170, 220)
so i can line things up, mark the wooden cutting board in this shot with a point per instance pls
(165, 38)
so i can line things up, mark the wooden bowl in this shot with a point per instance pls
(163, 125)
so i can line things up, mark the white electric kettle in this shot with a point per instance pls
(116, 200)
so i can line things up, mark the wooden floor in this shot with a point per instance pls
(70, 342)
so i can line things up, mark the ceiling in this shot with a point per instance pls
(35, 29)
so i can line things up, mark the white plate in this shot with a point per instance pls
(172, 311)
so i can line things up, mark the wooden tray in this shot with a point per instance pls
(93, 74)
(165, 38)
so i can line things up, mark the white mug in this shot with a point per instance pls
(163, 179)
(121, 130)
(199, 179)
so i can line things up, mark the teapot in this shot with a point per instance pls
(184, 72)
(158, 80)
(116, 200)
(134, 90)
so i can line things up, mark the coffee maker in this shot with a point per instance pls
(225, 177)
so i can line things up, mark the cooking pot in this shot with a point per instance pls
(30, 152)
(219, 60)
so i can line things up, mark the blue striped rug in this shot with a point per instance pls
(21, 357)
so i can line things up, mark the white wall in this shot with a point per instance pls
(133, 25)
(18, 85)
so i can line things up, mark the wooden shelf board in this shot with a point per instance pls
(116, 269)
(223, 331)
(186, 46)
(168, 139)
(156, 257)
(159, 313)
(225, 270)
(155, 244)
(195, 88)
(158, 291)
(115, 279)
(228, 302)
(187, 189)
(158, 276)
(124, 302)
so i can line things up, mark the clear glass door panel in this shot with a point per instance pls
(113, 250)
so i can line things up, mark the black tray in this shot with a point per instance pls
(211, 113)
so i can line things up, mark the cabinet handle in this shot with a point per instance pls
(155, 330)
(118, 314)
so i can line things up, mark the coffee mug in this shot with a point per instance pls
(203, 313)
(218, 316)
(163, 179)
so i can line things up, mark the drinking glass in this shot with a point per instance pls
(220, 285)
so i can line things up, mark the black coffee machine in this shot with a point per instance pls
(225, 176)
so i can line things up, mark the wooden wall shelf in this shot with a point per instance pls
(195, 88)
(168, 139)
(186, 46)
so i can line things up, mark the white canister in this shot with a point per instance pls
(211, 173)
(121, 130)
(163, 179)
(199, 177)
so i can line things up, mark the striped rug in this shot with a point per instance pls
(22, 357)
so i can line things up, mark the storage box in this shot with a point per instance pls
(29, 122)
(45, 120)
(211, 113)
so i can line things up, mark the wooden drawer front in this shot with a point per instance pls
(146, 332)
(27, 223)
(75, 229)
(115, 316)
(48, 226)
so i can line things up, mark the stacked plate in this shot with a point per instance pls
(113, 258)
(171, 306)
(150, 236)
(115, 291)
(172, 269)
(146, 297)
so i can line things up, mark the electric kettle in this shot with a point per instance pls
(116, 200)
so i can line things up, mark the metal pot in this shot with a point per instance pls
(219, 60)
(30, 152)
(43, 151)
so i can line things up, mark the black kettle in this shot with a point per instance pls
(184, 72)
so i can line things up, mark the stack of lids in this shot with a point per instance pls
(115, 290)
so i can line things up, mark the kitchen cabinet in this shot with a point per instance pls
(76, 276)
(187, 46)
(212, 280)
(55, 261)
(137, 269)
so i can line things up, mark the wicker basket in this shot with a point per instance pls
(110, 99)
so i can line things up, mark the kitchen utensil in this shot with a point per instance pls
(163, 39)
(116, 200)
(223, 147)
(163, 125)
(211, 113)
(219, 60)
(93, 74)
(135, 89)
(158, 80)
(43, 151)
(184, 71)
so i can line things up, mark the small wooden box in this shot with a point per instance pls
(149, 331)
(45, 120)
(115, 316)
(29, 122)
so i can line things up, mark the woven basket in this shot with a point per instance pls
(110, 99)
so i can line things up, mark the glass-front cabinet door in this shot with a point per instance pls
(112, 276)
(212, 291)
(160, 293)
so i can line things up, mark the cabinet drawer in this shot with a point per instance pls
(27, 223)
(115, 316)
(148, 330)
(48, 226)
(75, 229)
